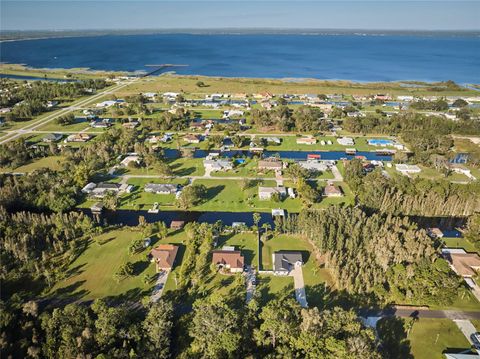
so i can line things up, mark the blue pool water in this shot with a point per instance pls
(361, 58)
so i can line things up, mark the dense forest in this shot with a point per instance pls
(401, 195)
(380, 254)
(29, 99)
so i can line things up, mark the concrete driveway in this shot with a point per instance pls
(249, 282)
(299, 285)
(159, 285)
(467, 328)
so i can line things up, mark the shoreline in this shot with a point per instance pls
(18, 71)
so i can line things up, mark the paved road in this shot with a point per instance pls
(467, 329)
(42, 121)
(159, 285)
(421, 313)
(299, 286)
(249, 280)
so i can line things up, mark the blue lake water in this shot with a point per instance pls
(360, 58)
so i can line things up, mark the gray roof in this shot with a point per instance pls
(161, 187)
(285, 260)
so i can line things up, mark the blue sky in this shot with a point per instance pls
(160, 14)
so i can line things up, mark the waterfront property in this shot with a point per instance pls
(266, 193)
(161, 188)
(407, 169)
(164, 256)
(228, 259)
(285, 261)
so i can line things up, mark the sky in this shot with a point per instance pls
(200, 14)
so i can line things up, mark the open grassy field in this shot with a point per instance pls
(91, 275)
(430, 337)
(74, 73)
(52, 162)
(177, 83)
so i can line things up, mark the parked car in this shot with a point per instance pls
(476, 340)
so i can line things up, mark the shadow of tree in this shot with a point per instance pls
(212, 192)
(395, 344)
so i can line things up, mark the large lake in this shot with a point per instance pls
(360, 58)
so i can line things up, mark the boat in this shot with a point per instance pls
(350, 151)
(154, 209)
(385, 152)
(313, 156)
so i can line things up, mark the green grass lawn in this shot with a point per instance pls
(459, 243)
(52, 162)
(180, 167)
(313, 275)
(430, 337)
(246, 242)
(91, 275)
(78, 125)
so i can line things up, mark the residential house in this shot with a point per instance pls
(459, 168)
(78, 137)
(346, 141)
(265, 193)
(317, 165)
(228, 258)
(161, 188)
(51, 104)
(108, 103)
(130, 158)
(285, 261)
(104, 123)
(463, 263)
(406, 169)
(274, 140)
(270, 164)
(164, 256)
(331, 190)
(192, 138)
(52, 137)
(217, 165)
(306, 141)
(130, 124)
(101, 189)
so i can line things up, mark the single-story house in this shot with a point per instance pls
(459, 168)
(105, 123)
(346, 141)
(331, 190)
(177, 224)
(228, 259)
(270, 165)
(405, 168)
(265, 193)
(161, 188)
(130, 124)
(274, 140)
(108, 103)
(130, 158)
(164, 256)
(317, 165)
(101, 189)
(78, 137)
(306, 141)
(192, 138)
(52, 137)
(218, 165)
(285, 261)
(464, 264)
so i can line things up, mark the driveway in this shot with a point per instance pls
(159, 285)
(249, 282)
(299, 285)
(467, 328)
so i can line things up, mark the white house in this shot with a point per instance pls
(346, 141)
(218, 165)
(265, 193)
(405, 168)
